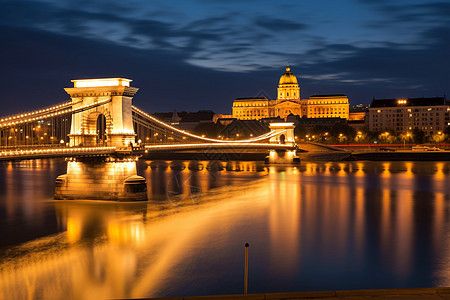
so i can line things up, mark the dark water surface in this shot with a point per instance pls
(319, 226)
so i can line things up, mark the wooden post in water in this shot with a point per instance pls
(246, 269)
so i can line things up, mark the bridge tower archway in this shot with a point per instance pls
(284, 134)
(101, 129)
(110, 97)
(97, 124)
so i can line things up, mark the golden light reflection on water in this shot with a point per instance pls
(317, 224)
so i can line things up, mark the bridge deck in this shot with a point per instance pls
(24, 153)
(15, 154)
(212, 146)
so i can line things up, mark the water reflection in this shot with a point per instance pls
(185, 180)
(317, 226)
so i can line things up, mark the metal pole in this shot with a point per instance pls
(246, 269)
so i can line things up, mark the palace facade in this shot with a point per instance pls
(289, 102)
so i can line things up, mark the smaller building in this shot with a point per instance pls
(357, 112)
(431, 115)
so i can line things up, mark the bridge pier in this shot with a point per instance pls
(282, 157)
(111, 178)
(285, 136)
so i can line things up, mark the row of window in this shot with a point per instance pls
(343, 109)
(328, 102)
(410, 115)
(416, 109)
(287, 94)
(249, 104)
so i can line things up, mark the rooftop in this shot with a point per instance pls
(432, 101)
(330, 95)
(252, 98)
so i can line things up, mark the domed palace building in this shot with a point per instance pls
(289, 102)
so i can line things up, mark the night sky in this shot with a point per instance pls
(202, 54)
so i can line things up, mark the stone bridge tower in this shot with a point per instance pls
(284, 135)
(114, 96)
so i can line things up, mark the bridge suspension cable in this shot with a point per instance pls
(58, 112)
(191, 135)
(37, 112)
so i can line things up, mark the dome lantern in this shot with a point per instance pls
(288, 77)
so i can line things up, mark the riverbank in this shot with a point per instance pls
(401, 155)
(413, 293)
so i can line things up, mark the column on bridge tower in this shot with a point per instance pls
(284, 135)
(111, 97)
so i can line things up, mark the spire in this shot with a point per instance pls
(288, 68)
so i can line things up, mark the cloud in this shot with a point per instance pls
(386, 69)
(278, 25)
(222, 52)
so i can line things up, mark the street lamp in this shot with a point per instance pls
(406, 137)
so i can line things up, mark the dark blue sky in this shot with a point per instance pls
(201, 54)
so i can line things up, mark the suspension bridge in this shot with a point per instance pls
(100, 120)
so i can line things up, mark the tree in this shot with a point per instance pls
(418, 136)
(387, 137)
(208, 129)
(342, 132)
(300, 131)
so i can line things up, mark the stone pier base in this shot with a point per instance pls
(101, 180)
(282, 157)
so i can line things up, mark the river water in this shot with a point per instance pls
(318, 226)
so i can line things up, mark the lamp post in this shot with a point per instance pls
(404, 140)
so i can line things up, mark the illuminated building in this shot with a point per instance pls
(430, 115)
(289, 102)
(327, 106)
